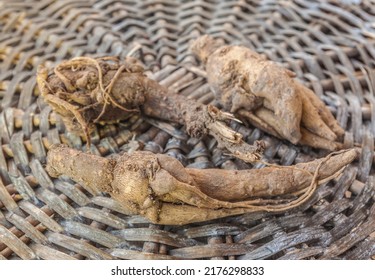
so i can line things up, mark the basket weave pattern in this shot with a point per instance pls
(328, 44)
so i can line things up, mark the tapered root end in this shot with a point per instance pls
(331, 164)
(294, 136)
(315, 141)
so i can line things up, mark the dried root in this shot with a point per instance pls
(86, 91)
(266, 95)
(161, 189)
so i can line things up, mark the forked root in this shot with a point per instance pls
(266, 95)
(161, 189)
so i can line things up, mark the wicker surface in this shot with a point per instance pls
(329, 45)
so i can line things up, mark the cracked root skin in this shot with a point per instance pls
(266, 95)
(161, 189)
(85, 91)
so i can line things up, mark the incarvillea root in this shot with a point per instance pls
(159, 188)
(86, 91)
(266, 95)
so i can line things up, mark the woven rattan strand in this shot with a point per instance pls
(328, 44)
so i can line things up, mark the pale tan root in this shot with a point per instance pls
(265, 120)
(243, 80)
(172, 214)
(161, 189)
(310, 139)
(276, 87)
(93, 172)
(233, 185)
(335, 162)
(311, 119)
(255, 120)
(324, 112)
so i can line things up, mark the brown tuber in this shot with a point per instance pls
(266, 95)
(161, 189)
(86, 91)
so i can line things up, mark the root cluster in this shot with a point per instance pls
(86, 92)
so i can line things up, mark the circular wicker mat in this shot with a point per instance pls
(328, 44)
